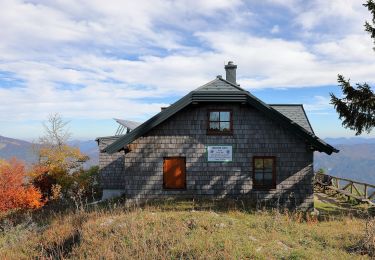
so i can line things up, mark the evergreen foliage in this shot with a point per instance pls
(368, 27)
(357, 108)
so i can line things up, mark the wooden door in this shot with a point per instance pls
(174, 173)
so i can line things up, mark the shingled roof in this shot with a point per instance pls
(296, 113)
(292, 117)
(219, 84)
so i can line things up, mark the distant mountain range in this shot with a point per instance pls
(356, 159)
(23, 150)
(26, 151)
(90, 148)
(349, 141)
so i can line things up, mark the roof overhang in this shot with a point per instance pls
(197, 97)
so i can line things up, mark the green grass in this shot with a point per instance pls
(180, 230)
(327, 207)
(342, 207)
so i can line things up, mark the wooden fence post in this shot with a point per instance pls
(360, 195)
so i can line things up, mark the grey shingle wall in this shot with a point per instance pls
(185, 135)
(111, 166)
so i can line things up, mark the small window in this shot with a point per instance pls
(219, 122)
(174, 176)
(264, 172)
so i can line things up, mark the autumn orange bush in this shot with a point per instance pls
(15, 192)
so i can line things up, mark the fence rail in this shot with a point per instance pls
(361, 191)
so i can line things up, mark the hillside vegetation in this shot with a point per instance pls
(354, 161)
(181, 230)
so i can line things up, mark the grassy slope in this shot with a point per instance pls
(181, 230)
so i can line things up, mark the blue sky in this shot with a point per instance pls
(92, 61)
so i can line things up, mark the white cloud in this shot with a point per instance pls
(275, 29)
(354, 47)
(332, 18)
(112, 55)
(265, 62)
(348, 13)
(291, 4)
(319, 105)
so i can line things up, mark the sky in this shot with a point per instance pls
(92, 61)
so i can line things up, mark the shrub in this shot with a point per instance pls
(15, 193)
(62, 186)
(88, 181)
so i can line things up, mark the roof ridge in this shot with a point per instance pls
(237, 86)
(217, 79)
(208, 83)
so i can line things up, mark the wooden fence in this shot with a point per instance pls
(360, 191)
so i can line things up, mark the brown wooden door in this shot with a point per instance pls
(174, 173)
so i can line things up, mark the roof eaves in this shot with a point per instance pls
(108, 137)
(274, 114)
(218, 96)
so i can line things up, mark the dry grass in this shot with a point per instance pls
(181, 230)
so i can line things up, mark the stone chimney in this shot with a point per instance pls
(230, 70)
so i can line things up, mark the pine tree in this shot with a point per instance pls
(357, 107)
(368, 27)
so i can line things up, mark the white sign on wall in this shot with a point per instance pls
(219, 153)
